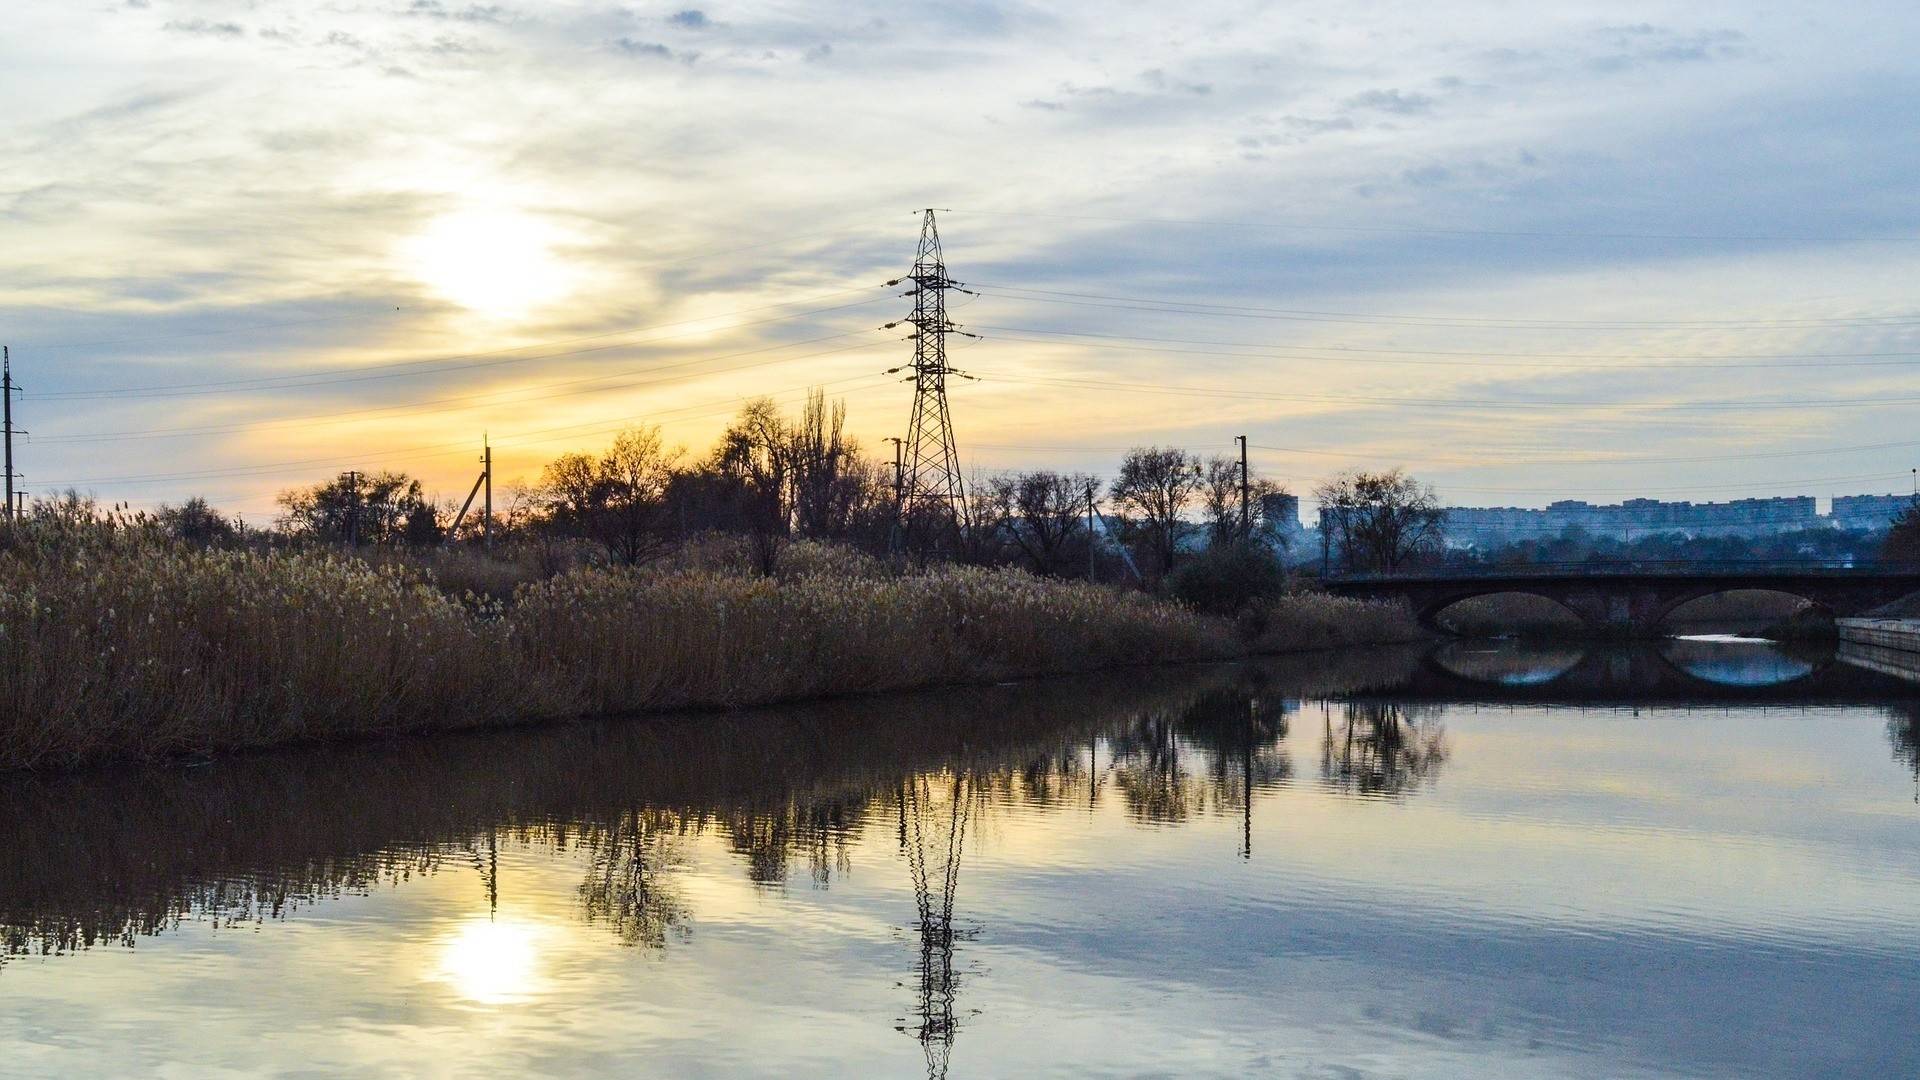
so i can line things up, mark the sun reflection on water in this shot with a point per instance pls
(493, 962)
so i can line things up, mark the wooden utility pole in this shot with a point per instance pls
(486, 473)
(1246, 516)
(353, 509)
(482, 482)
(7, 390)
(899, 468)
(1092, 486)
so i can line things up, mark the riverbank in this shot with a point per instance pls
(1897, 634)
(169, 652)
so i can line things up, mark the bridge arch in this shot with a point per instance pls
(1675, 611)
(1632, 600)
(1430, 614)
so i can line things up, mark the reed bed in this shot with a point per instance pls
(167, 651)
(1300, 622)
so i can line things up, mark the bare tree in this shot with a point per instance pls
(1903, 540)
(834, 487)
(1154, 488)
(1380, 521)
(1043, 514)
(618, 499)
(1221, 500)
(380, 508)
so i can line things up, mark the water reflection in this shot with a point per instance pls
(1382, 748)
(1510, 664)
(1745, 662)
(1067, 804)
(933, 830)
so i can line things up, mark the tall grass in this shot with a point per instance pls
(1305, 621)
(154, 649)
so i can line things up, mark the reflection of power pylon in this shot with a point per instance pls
(933, 503)
(922, 824)
(489, 869)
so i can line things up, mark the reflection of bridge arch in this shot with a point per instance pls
(1540, 665)
(1810, 666)
(1618, 673)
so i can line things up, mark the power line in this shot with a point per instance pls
(1469, 359)
(1482, 320)
(1175, 307)
(1592, 460)
(280, 382)
(507, 397)
(677, 260)
(1437, 403)
(549, 434)
(1431, 231)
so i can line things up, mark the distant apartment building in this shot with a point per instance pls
(1867, 511)
(1469, 526)
(1281, 515)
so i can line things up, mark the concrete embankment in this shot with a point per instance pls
(1900, 634)
(1889, 646)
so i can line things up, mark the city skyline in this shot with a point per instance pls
(1642, 250)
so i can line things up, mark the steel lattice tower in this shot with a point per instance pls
(931, 496)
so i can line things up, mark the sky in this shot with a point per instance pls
(1525, 251)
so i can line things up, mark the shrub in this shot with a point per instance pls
(1226, 578)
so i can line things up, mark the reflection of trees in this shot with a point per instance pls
(626, 886)
(1239, 732)
(818, 828)
(1150, 774)
(112, 855)
(933, 836)
(1382, 748)
(1903, 731)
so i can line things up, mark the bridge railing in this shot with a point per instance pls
(1641, 568)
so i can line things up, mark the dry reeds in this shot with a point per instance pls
(156, 649)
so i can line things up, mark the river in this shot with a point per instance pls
(1697, 859)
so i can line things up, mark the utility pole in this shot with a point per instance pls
(932, 471)
(7, 390)
(1326, 544)
(1246, 516)
(486, 473)
(484, 480)
(899, 468)
(1092, 486)
(353, 509)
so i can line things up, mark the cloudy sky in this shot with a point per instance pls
(1527, 251)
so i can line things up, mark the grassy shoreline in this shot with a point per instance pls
(170, 651)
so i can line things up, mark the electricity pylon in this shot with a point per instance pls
(933, 501)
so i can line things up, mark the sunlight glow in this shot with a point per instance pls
(498, 263)
(492, 962)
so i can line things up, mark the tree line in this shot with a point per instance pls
(773, 478)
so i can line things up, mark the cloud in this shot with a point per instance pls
(652, 49)
(217, 193)
(1393, 101)
(473, 13)
(205, 28)
(1643, 44)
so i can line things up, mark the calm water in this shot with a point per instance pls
(1697, 860)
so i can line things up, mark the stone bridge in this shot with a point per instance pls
(1633, 599)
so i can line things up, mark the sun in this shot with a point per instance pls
(497, 263)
